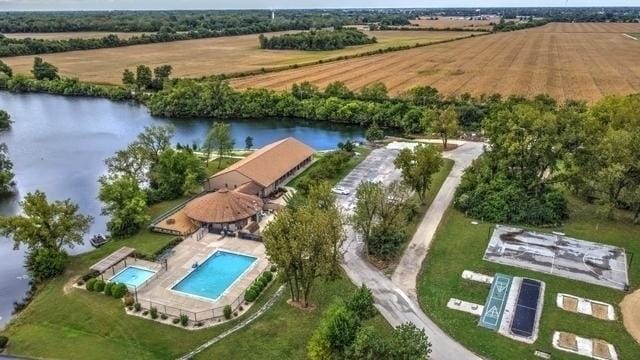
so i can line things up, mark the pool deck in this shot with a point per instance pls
(158, 293)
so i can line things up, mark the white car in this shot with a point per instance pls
(340, 190)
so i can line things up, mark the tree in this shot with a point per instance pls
(424, 96)
(248, 142)
(446, 125)
(369, 345)
(409, 343)
(161, 74)
(45, 263)
(134, 162)
(339, 90)
(5, 120)
(361, 303)
(305, 90)
(5, 69)
(418, 166)
(43, 70)
(220, 138)
(175, 169)
(155, 139)
(304, 241)
(374, 133)
(125, 203)
(374, 92)
(128, 77)
(47, 225)
(143, 77)
(369, 197)
(6, 171)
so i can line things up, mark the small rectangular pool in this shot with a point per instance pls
(215, 275)
(132, 276)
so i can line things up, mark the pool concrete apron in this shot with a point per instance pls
(396, 298)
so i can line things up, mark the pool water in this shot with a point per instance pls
(132, 276)
(215, 275)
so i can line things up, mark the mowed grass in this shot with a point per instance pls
(284, 331)
(202, 57)
(459, 245)
(361, 153)
(72, 35)
(567, 61)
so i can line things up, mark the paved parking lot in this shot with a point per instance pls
(377, 167)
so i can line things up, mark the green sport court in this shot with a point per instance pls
(496, 301)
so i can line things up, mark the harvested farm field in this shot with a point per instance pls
(223, 55)
(72, 35)
(567, 61)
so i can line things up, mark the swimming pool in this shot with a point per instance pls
(132, 276)
(215, 275)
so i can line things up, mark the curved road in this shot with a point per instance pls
(396, 298)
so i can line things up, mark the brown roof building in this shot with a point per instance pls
(262, 172)
(224, 209)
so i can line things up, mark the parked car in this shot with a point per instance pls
(340, 190)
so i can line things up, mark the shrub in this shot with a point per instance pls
(80, 282)
(361, 303)
(274, 268)
(3, 342)
(91, 275)
(90, 284)
(119, 290)
(250, 295)
(154, 312)
(130, 308)
(198, 324)
(129, 300)
(98, 286)
(184, 320)
(227, 312)
(45, 263)
(175, 320)
(268, 275)
(107, 288)
(163, 316)
(145, 313)
(137, 307)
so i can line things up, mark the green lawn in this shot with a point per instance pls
(216, 165)
(284, 331)
(459, 245)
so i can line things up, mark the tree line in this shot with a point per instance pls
(541, 149)
(316, 40)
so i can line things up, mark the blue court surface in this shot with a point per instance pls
(524, 318)
(496, 301)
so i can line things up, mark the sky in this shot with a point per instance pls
(288, 4)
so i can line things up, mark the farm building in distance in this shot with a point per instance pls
(262, 172)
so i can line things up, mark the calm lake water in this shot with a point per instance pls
(58, 145)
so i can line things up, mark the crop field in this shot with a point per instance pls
(72, 35)
(195, 58)
(448, 22)
(566, 61)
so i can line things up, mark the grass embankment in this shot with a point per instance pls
(361, 152)
(284, 331)
(459, 245)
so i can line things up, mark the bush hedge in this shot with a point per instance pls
(256, 288)
(154, 312)
(119, 290)
(184, 320)
(107, 288)
(98, 286)
(3, 342)
(137, 307)
(227, 312)
(90, 284)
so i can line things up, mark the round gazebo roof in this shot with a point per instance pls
(223, 206)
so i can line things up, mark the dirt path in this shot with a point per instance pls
(630, 307)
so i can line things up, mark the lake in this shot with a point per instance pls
(58, 145)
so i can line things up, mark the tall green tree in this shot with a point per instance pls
(446, 125)
(6, 171)
(220, 139)
(155, 139)
(174, 169)
(248, 142)
(305, 240)
(125, 203)
(144, 77)
(418, 166)
(43, 70)
(5, 69)
(128, 77)
(5, 120)
(369, 198)
(48, 225)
